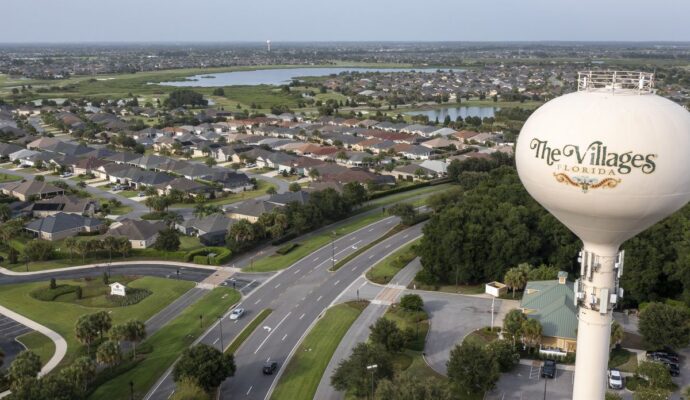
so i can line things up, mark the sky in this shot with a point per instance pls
(27, 21)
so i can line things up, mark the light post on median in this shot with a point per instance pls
(372, 368)
(333, 249)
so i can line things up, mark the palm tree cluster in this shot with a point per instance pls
(111, 244)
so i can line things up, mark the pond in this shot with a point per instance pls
(277, 76)
(454, 112)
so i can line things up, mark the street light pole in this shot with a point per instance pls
(372, 368)
(333, 250)
(493, 299)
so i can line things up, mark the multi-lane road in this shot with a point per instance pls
(297, 296)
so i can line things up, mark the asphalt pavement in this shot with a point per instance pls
(297, 296)
(9, 331)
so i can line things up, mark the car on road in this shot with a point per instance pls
(270, 367)
(615, 379)
(548, 370)
(237, 313)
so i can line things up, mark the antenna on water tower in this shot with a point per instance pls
(608, 161)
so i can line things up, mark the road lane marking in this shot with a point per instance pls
(171, 394)
(302, 316)
(283, 339)
(257, 302)
(371, 256)
(406, 236)
(336, 283)
(271, 332)
(316, 259)
(354, 268)
(250, 389)
(216, 341)
(276, 286)
(371, 229)
(320, 297)
(296, 272)
(387, 246)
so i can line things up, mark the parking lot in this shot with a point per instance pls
(525, 383)
(9, 330)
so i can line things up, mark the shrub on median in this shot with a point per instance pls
(221, 255)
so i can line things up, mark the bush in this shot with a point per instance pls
(51, 294)
(287, 248)
(134, 296)
(412, 302)
(285, 238)
(201, 256)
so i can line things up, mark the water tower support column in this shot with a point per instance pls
(596, 292)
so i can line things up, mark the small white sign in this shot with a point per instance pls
(118, 289)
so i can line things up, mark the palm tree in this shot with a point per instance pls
(531, 332)
(109, 353)
(616, 334)
(82, 248)
(136, 332)
(110, 243)
(516, 278)
(5, 212)
(124, 246)
(314, 174)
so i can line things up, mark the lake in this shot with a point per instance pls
(454, 112)
(277, 76)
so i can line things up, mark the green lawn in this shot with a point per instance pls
(247, 331)
(38, 343)
(277, 262)
(303, 373)
(482, 336)
(261, 185)
(60, 316)
(9, 178)
(386, 269)
(167, 344)
(623, 359)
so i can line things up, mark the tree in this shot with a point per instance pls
(471, 369)
(110, 244)
(386, 333)
(405, 211)
(81, 373)
(187, 389)
(109, 353)
(85, 330)
(294, 187)
(5, 212)
(531, 332)
(512, 324)
(617, 334)
(650, 393)
(409, 387)
(38, 250)
(314, 174)
(102, 322)
(132, 331)
(516, 277)
(613, 396)
(167, 240)
(271, 190)
(205, 365)
(504, 354)
(25, 366)
(53, 284)
(352, 375)
(412, 302)
(664, 325)
(354, 193)
(656, 374)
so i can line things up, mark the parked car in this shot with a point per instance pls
(117, 187)
(673, 369)
(66, 175)
(237, 313)
(141, 194)
(270, 367)
(664, 354)
(615, 379)
(548, 370)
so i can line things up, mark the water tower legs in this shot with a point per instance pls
(596, 286)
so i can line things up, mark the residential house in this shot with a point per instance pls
(62, 225)
(27, 190)
(211, 229)
(65, 204)
(141, 234)
(184, 185)
(250, 210)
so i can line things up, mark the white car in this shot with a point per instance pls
(237, 313)
(66, 175)
(615, 379)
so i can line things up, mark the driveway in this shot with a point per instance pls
(453, 317)
(525, 383)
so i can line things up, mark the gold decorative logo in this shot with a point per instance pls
(586, 183)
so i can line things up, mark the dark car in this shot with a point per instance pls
(659, 355)
(270, 367)
(548, 370)
(673, 369)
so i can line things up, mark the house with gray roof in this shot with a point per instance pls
(552, 304)
(141, 234)
(211, 229)
(25, 190)
(62, 225)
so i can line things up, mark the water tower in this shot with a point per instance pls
(608, 161)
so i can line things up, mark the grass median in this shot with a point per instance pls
(352, 256)
(167, 344)
(38, 343)
(304, 371)
(248, 330)
(383, 271)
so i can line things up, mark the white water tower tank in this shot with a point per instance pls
(608, 161)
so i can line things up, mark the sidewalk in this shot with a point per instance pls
(6, 271)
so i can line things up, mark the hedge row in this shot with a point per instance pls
(201, 256)
(408, 188)
(287, 248)
(47, 294)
